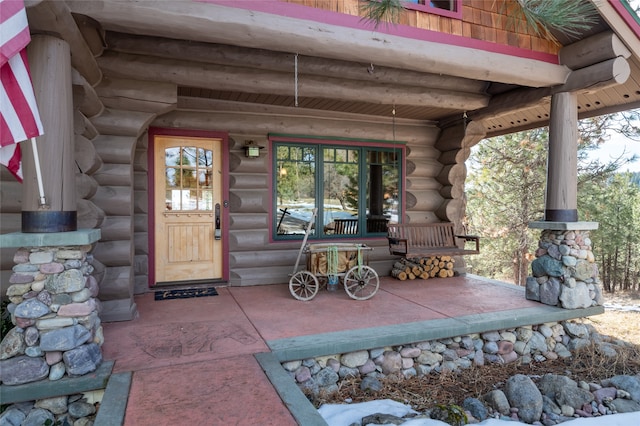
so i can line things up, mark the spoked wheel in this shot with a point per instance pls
(303, 285)
(361, 282)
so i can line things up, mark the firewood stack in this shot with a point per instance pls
(425, 267)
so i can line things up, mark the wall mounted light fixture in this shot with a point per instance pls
(251, 149)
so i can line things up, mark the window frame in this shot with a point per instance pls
(457, 13)
(320, 143)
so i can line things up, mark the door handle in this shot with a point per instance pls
(218, 231)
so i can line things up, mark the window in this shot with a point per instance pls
(451, 8)
(356, 189)
(188, 172)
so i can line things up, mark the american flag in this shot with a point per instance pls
(19, 116)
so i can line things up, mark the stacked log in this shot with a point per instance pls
(425, 267)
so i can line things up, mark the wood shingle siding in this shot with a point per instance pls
(485, 20)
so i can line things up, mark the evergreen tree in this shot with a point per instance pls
(505, 191)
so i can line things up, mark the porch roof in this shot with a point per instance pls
(241, 54)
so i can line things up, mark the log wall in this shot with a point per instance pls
(253, 258)
(111, 116)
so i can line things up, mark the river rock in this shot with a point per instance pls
(64, 339)
(476, 408)
(13, 344)
(429, 358)
(12, 416)
(79, 309)
(575, 298)
(391, 362)
(630, 384)
(66, 282)
(523, 394)
(31, 336)
(370, 383)
(81, 296)
(546, 265)
(497, 400)
(327, 377)
(31, 309)
(626, 405)
(18, 289)
(40, 257)
(583, 270)
(38, 417)
(532, 289)
(82, 360)
(57, 370)
(550, 292)
(576, 330)
(23, 369)
(21, 278)
(53, 323)
(51, 268)
(81, 409)
(355, 359)
(57, 405)
(45, 297)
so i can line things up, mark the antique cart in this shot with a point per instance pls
(328, 263)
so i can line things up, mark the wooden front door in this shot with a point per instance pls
(188, 204)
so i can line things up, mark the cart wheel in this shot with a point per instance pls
(303, 285)
(361, 282)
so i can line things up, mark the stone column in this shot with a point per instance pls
(50, 63)
(54, 308)
(565, 273)
(562, 167)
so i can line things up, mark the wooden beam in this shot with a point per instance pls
(252, 123)
(598, 76)
(54, 18)
(220, 77)
(281, 61)
(592, 50)
(138, 95)
(206, 22)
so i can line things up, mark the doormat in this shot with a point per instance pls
(185, 293)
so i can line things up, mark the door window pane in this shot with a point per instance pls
(188, 178)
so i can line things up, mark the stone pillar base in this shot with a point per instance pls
(54, 308)
(564, 273)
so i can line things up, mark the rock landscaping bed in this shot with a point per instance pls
(596, 376)
(76, 410)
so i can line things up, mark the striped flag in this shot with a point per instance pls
(19, 116)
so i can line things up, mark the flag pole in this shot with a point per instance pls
(36, 158)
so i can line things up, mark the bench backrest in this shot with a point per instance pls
(345, 226)
(424, 234)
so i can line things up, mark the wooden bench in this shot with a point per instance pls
(345, 226)
(350, 226)
(428, 239)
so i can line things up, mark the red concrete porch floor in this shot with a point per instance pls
(216, 360)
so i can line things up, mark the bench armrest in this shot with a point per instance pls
(471, 238)
(398, 245)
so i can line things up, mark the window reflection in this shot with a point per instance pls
(355, 189)
(188, 178)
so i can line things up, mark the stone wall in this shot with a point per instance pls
(523, 344)
(564, 272)
(55, 312)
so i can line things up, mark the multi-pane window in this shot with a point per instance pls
(355, 189)
(188, 173)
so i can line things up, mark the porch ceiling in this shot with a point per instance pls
(251, 64)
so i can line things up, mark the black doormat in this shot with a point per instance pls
(185, 293)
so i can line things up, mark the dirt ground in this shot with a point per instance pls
(452, 388)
